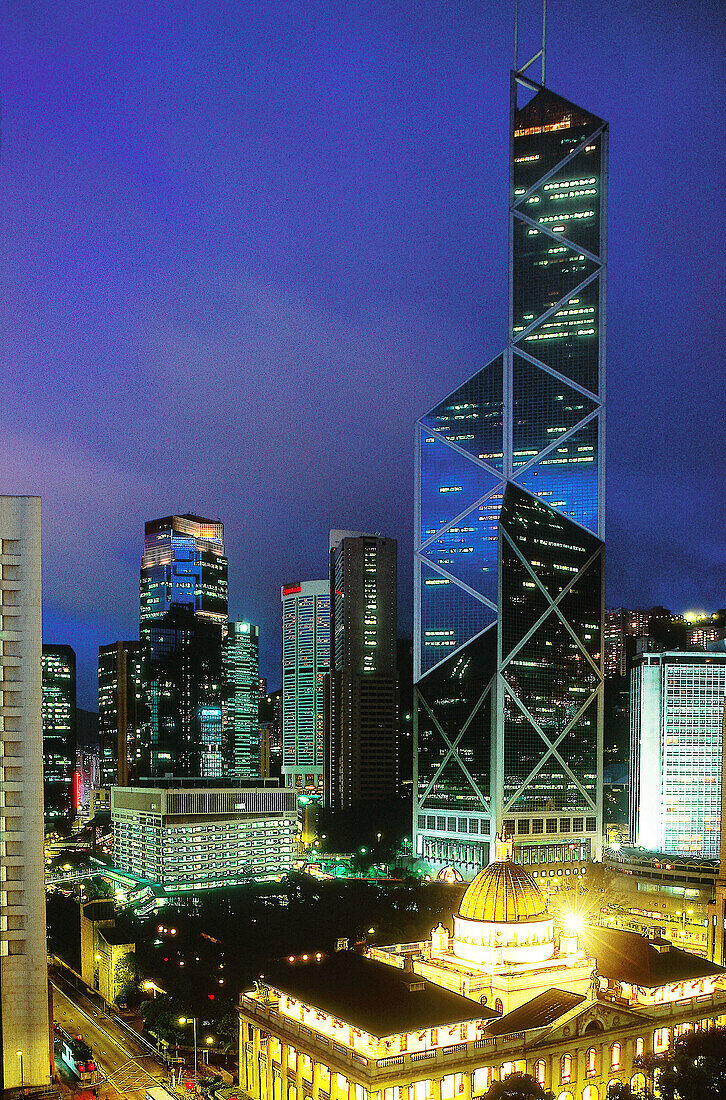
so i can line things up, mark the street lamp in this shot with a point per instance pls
(22, 1079)
(192, 1020)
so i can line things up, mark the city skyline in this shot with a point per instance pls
(134, 306)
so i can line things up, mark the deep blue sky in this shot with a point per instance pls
(245, 244)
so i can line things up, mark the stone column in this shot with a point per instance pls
(256, 1061)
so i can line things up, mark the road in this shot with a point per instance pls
(127, 1064)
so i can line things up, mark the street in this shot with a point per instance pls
(127, 1064)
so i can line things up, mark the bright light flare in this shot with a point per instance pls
(574, 923)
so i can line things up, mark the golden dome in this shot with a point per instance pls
(502, 893)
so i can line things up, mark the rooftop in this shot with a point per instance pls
(539, 1012)
(633, 958)
(379, 999)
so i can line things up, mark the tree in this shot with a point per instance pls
(693, 1067)
(126, 979)
(619, 1091)
(518, 1086)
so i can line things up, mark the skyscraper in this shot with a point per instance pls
(59, 731)
(24, 1026)
(123, 712)
(241, 674)
(361, 714)
(305, 663)
(183, 614)
(509, 522)
(676, 731)
(184, 684)
(183, 563)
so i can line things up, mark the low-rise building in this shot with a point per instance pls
(396, 1026)
(201, 837)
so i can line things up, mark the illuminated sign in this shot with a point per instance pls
(291, 589)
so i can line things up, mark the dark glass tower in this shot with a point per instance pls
(59, 731)
(123, 712)
(509, 523)
(361, 697)
(183, 563)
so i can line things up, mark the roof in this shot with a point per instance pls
(539, 1012)
(633, 958)
(370, 995)
(115, 937)
(503, 892)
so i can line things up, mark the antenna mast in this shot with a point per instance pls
(541, 53)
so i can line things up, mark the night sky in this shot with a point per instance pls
(245, 245)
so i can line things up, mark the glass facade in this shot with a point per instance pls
(241, 667)
(676, 737)
(305, 663)
(59, 731)
(509, 522)
(123, 712)
(183, 563)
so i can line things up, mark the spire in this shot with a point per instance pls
(543, 48)
(503, 848)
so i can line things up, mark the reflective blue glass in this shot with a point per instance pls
(450, 483)
(450, 616)
(471, 416)
(567, 478)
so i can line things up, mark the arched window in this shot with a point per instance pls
(590, 1092)
(615, 1056)
(498, 1005)
(591, 1069)
(565, 1069)
(539, 1072)
(639, 1047)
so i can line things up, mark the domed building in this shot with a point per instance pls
(503, 950)
(503, 917)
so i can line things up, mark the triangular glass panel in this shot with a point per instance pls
(551, 789)
(468, 550)
(543, 409)
(551, 676)
(568, 341)
(450, 482)
(545, 272)
(471, 416)
(581, 608)
(567, 477)
(555, 548)
(431, 749)
(453, 688)
(522, 750)
(474, 746)
(522, 601)
(450, 616)
(569, 201)
(578, 748)
(452, 790)
(545, 130)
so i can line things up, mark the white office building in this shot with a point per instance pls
(202, 838)
(23, 970)
(676, 733)
(305, 662)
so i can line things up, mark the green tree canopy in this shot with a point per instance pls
(693, 1067)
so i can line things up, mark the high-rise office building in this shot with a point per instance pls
(621, 629)
(676, 731)
(241, 675)
(305, 663)
(184, 685)
(183, 563)
(123, 713)
(183, 616)
(24, 1025)
(509, 521)
(361, 713)
(59, 731)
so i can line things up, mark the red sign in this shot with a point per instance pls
(291, 589)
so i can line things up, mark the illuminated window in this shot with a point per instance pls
(591, 1069)
(539, 1072)
(615, 1056)
(565, 1068)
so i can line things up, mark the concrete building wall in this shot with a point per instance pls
(23, 967)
